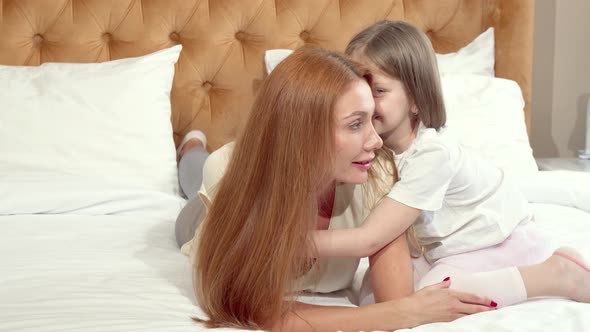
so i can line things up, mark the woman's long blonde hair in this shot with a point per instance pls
(254, 242)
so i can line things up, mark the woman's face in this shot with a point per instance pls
(356, 138)
(393, 109)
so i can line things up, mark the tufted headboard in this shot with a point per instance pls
(224, 41)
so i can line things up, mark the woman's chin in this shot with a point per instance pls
(359, 178)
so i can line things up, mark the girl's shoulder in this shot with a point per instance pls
(430, 139)
(433, 147)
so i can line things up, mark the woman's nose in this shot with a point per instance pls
(373, 142)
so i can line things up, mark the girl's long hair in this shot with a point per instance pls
(254, 241)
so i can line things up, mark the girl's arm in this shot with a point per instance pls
(392, 263)
(435, 303)
(386, 222)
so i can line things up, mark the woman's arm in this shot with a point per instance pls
(317, 318)
(392, 271)
(435, 303)
(386, 222)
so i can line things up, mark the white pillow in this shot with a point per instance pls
(486, 115)
(475, 58)
(273, 57)
(561, 187)
(100, 123)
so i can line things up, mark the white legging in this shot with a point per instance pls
(490, 272)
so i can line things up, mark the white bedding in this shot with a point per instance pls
(123, 272)
(92, 273)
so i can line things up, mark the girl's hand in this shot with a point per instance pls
(437, 303)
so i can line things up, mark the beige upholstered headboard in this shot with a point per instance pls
(224, 41)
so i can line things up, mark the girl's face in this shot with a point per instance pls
(356, 138)
(393, 108)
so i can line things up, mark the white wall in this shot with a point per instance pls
(561, 77)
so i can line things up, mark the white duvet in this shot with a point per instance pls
(114, 265)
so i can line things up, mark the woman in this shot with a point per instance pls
(299, 165)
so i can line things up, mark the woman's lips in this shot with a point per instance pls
(364, 165)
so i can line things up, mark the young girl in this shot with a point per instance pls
(472, 224)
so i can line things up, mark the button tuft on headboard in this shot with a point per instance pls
(38, 39)
(207, 85)
(107, 37)
(175, 37)
(304, 35)
(240, 35)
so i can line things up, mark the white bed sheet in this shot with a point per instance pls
(125, 273)
(92, 273)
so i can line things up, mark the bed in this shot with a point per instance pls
(87, 145)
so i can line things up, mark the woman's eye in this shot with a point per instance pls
(355, 125)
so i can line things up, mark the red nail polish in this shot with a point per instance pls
(493, 304)
(447, 279)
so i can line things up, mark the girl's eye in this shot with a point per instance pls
(378, 91)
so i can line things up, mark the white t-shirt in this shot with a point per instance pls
(331, 274)
(467, 204)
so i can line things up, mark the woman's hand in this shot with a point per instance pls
(436, 303)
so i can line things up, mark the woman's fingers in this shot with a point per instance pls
(467, 298)
(474, 299)
(463, 303)
(468, 308)
(440, 285)
(471, 304)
